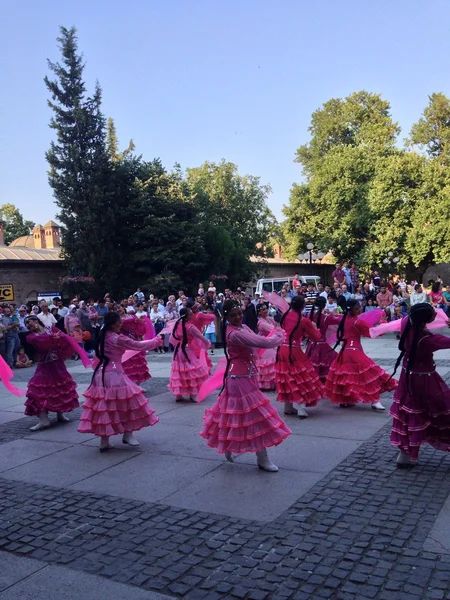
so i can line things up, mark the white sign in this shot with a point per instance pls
(48, 295)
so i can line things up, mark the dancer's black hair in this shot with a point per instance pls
(34, 318)
(436, 287)
(296, 305)
(228, 306)
(184, 313)
(420, 315)
(349, 306)
(110, 319)
(260, 306)
(317, 308)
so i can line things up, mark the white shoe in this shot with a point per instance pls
(289, 409)
(193, 398)
(404, 461)
(229, 457)
(61, 418)
(301, 412)
(43, 422)
(378, 406)
(128, 438)
(264, 462)
(105, 444)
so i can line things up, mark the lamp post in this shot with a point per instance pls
(311, 256)
(391, 260)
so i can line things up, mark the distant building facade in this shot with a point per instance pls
(32, 263)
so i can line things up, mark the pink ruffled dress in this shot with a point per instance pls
(51, 388)
(320, 353)
(353, 377)
(297, 381)
(201, 320)
(114, 404)
(243, 419)
(265, 362)
(188, 373)
(135, 367)
(422, 413)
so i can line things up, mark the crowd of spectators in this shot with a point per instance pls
(83, 319)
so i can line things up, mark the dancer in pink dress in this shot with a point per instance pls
(201, 320)
(296, 379)
(421, 408)
(320, 353)
(354, 377)
(189, 369)
(265, 362)
(135, 367)
(51, 389)
(114, 404)
(242, 419)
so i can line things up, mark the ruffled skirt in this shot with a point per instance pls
(353, 377)
(136, 368)
(117, 406)
(421, 416)
(266, 369)
(243, 419)
(297, 381)
(187, 377)
(51, 388)
(321, 355)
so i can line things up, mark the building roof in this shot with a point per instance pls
(25, 241)
(51, 224)
(21, 253)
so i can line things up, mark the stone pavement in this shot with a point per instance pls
(338, 521)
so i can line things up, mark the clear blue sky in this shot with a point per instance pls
(196, 80)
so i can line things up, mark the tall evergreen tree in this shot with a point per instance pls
(80, 170)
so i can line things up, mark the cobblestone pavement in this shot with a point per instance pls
(357, 534)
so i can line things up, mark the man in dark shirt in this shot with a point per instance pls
(338, 274)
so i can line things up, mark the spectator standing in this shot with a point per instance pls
(59, 320)
(71, 320)
(46, 317)
(310, 298)
(102, 309)
(338, 275)
(354, 276)
(11, 325)
(139, 295)
(62, 310)
(348, 277)
(345, 291)
(249, 314)
(376, 280)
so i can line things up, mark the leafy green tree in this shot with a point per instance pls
(348, 138)
(432, 131)
(15, 224)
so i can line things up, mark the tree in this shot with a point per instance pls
(15, 225)
(432, 131)
(80, 170)
(331, 208)
(234, 215)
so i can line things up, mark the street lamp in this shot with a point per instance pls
(311, 256)
(391, 260)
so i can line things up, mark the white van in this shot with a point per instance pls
(275, 284)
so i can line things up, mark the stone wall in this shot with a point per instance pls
(31, 277)
(442, 269)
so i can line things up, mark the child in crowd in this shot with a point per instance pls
(22, 360)
(370, 305)
(212, 287)
(201, 290)
(210, 330)
(331, 306)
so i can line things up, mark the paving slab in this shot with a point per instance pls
(71, 464)
(62, 432)
(57, 583)
(20, 452)
(7, 417)
(438, 539)
(14, 569)
(245, 492)
(148, 477)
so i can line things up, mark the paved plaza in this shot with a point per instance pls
(173, 519)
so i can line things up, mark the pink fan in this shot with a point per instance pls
(372, 317)
(69, 346)
(276, 300)
(214, 382)
(439, 322)
(168, 328)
